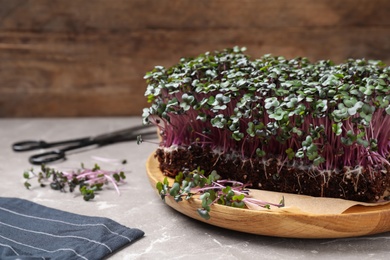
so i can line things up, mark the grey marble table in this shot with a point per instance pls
(168, 234)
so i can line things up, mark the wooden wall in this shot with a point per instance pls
(88, 58)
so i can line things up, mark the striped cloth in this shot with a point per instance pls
(32, 231)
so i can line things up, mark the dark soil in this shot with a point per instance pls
(270, 175)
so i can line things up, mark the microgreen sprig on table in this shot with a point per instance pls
(212, 190)
(88, 180)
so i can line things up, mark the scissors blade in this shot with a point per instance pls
(127, 134)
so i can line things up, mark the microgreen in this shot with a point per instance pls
(211, 190)
(88, 180)
(270, 107)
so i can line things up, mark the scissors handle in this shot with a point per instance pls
(43, 158)
(28, 145)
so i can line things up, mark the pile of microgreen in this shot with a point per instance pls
(322, 115)
(212, 190)
(87, 180)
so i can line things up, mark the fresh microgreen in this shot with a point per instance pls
(88, 180)
(211, 190)
(218, 96)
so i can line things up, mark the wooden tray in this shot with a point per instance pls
(356, 221)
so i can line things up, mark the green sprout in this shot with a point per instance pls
(211, 190)
(88, 180)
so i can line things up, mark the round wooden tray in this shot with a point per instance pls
(356, 221)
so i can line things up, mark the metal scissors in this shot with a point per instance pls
(128, 134)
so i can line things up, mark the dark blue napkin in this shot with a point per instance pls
(32, 231)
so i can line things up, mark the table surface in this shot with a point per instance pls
(168, 234)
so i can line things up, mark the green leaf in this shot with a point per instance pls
(260, 153)
(341, 113)
(238, 197)
(165, 181)
(290, 153)
(179, 177)
(116, 177)
(387, 110)
(278, 114)
(300, 154)
(317, 161)
(237, 135)
(354, 109)
(202, 117)
(174, 189)
(26, 175)
(373, 144)
(321, 105)
(350, 101)
(308, 141)
(226, 190)
(337, 128)
(187, 101)
(271, 102)
(297, 131)
(238, 204)
(159, 187)
(211, 100)
(206, 201)
(218, 121)
(362, 142)
(214, 176)
(27, 185)
(204, 214)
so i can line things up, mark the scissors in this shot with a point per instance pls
(128, 134)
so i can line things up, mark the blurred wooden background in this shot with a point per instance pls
(88, 58)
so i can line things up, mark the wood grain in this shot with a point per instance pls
(88, 58)
(357, 221)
